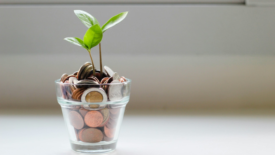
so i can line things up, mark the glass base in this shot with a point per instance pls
(93, 148)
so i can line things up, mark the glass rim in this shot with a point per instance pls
(103, 84)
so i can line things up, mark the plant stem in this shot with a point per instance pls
(100, 59)
(89, 51)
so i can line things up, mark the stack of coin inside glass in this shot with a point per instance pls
(93, 126)
(85, 87)
(93, 122)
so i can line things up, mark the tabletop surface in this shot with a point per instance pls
(160, 133)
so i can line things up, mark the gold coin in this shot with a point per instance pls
(93, 105)
(94, 96)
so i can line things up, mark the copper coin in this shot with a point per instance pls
(109, 132)
(97, 74)
(83, 111)
(74, 93)
(106, 86)
(67, 78)
(110, 80)
(63, 76)
(103, 80)
(93, 118)
(90, 135)
(80, 133)
(77, 93)
(76, 120)
(75, 73)
(122, 79)
(72, 88)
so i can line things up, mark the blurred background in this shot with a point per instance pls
(195, 59)
(179, 53)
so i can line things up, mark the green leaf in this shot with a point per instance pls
(114, 20)
(93, 36)
(76, 41)
(87, 19)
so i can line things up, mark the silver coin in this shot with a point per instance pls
(99, 90)
(73, 80)
(94, 106)
(81, 69)
(86, 83)
(115, 90)
(109, 71)
(87, 71)
(116, 76)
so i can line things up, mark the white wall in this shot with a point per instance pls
(119, 1)
(179, 56)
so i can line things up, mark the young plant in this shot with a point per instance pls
(89, 21)
(92, 37)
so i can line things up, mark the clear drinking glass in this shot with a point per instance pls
(93, 127)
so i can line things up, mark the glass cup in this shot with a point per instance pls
(93, 113)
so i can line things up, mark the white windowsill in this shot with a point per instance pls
(146, 133)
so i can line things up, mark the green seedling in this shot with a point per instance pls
(94, 34)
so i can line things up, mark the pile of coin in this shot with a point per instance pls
(93, 122)
(93, 126)
(85, 87)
